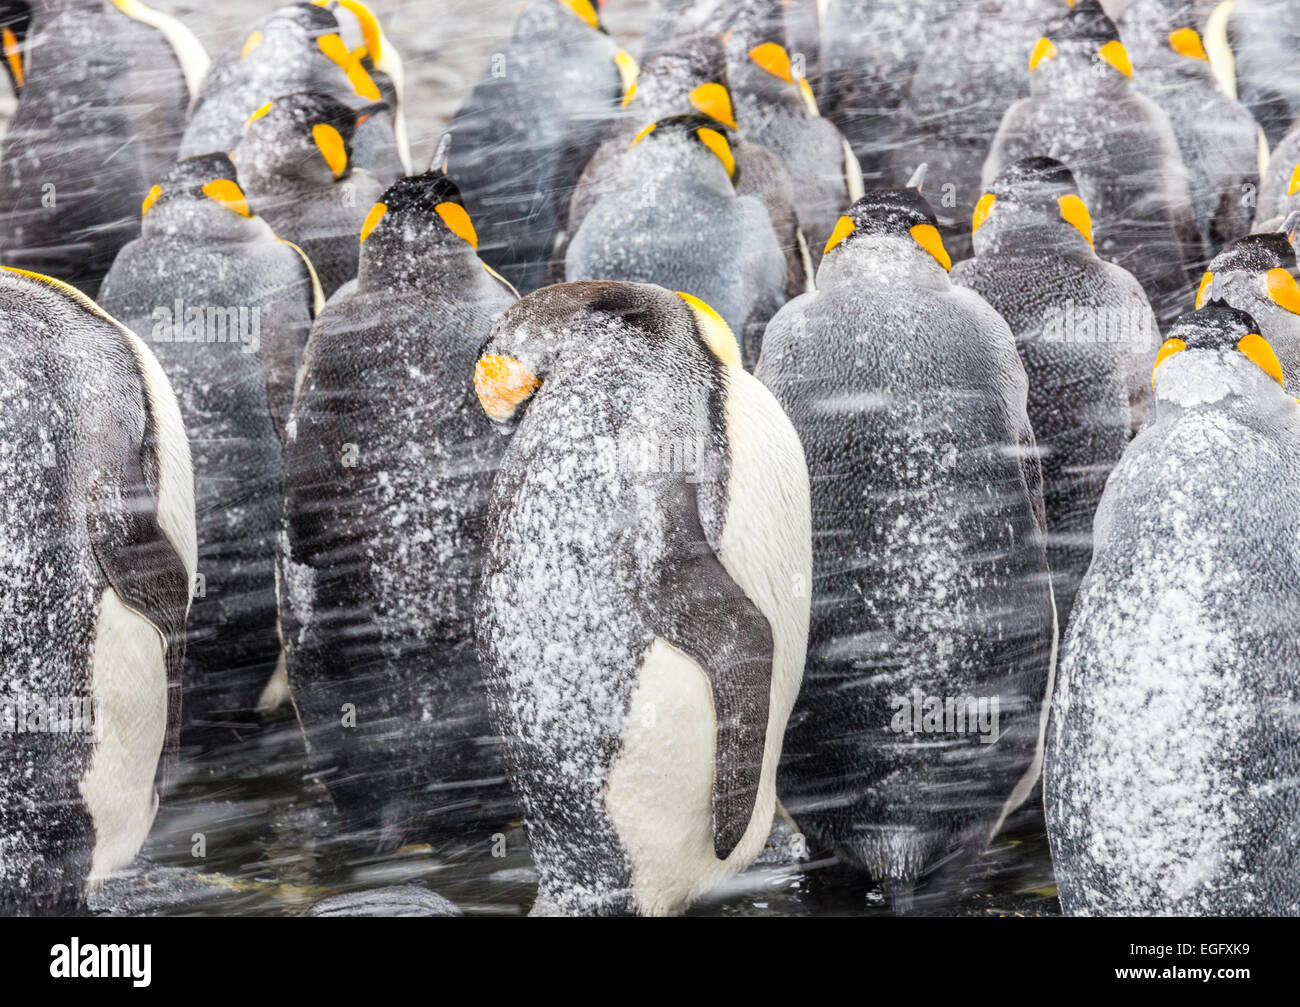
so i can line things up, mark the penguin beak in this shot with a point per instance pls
(374, 108)
(502, 383)
(331, 146)
(774, 59)
(714, 101)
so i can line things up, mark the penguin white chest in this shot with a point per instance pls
(129, 689)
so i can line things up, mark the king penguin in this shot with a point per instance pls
(1217, 135)
(1255, 44)
(97, 535)
(644, 608)
(102, 94)
(1257, 274)
(775, 107)
(682, 224)
(930, 652)
(389, 465)
(1086, 335)
(1120, 147)
(1279, 190)
(530, 126)
(691, 78)
(301, 47)
(1174, 752)
(295, 163)
(226, 307)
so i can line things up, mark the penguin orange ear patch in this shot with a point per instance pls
(843, 228)
(501, 383)
(336, 51)
(1114, 53)
(982, 210)
(1045, 49)
(714, 100)
(150, 199)
(228, 193)
(1187, 42)
(1206, 280)
(928, 237)
(251, 43)
(1074, 211)
(329, 141)
(458, 222)
(1282, 290)
(1256, 348)
(1294, 187)
(717, 143)
(584, 10)
(373, 218)
(1170, 347)
(774, 59)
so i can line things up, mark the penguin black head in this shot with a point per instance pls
(535, 332)
(422, 208)
(897, 213)
(1082, 40)
(304, 137)
(201, 184)
(1219, 328)
(1037, 192)
(699, 131)
(1258, 264)
(692, 74)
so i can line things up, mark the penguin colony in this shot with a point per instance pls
(872, 417)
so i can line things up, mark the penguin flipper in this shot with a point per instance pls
(143, 568)
(695, 605)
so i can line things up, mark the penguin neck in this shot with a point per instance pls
(668, 166)
(549, 17)
(418, 257)
(881, 260)
(1028, 234)
(1196, 378)
(201, 220)
(1071, 81)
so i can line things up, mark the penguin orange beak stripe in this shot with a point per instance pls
(501, 383)
(330, 144)
(774, 59)
(1045, 49)
(458, 222)
(1257, 349)
(1114, 53)
(1282, 290)
(714, 101)
(228, 194)
(373, 218)
(1074, 211)
(13, 54)
(337, 52)
(1187, 42)
(982, 210)
(1206, 280)
(1170, 347)
(843, 228)
(927, 236)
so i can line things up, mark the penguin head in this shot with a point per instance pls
(759, 60)
(531, 338)
(694, 143)
(312, 28)
(691, 77)
(892, 228)
(416, 218)
(1257, 269)
(1080, 50)
(1031, 204)
(1164, 33)
(302, 139)
(200, 196)
(1213, 353)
